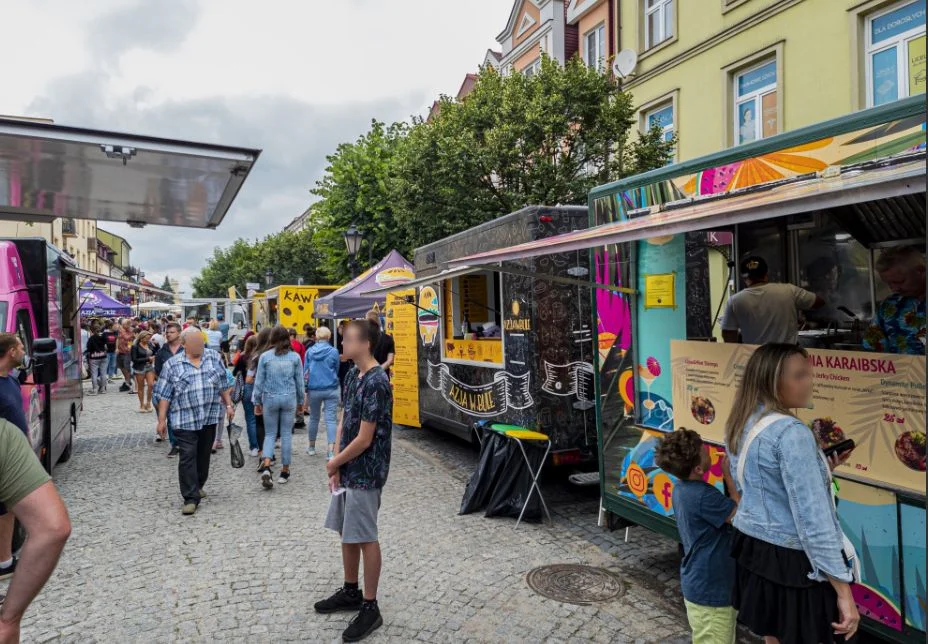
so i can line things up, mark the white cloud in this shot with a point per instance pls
(293, 77)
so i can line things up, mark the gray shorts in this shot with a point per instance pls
(353, 515)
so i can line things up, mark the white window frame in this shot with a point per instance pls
(756, 96)
(532, 68)
(660, 107)
(598, 35)
(899, 41)
(660, 7)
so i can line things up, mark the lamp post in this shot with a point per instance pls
(353, 238)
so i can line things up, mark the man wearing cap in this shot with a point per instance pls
(763, 311)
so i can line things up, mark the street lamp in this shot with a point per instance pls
(353, 238)
(269, 277)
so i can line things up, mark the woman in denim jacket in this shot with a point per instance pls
(277, 395)
(792, 576)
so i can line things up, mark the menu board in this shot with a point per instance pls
(474, 298)
(401, 324)
(876, 399)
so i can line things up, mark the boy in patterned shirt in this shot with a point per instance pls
(357, 475)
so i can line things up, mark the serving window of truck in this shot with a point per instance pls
(826, 207)
(472, 318)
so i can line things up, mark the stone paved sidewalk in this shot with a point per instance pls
(249, 565)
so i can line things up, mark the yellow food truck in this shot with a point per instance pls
(292, 306)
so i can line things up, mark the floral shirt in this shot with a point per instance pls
(898, 326)
(367, 398)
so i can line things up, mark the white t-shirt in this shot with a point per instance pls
(767, 312)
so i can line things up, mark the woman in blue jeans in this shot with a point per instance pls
(277, 395)
(321, 376)
(242, 368)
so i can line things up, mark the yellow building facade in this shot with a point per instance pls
(718, 73)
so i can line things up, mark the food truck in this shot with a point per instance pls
(820, 204)
(235, 312)
(292, 306)
(513, 347)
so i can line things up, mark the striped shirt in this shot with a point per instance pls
(193, 392)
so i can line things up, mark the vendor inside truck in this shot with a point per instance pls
(834, 286)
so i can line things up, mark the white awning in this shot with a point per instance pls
(100, 278)
(422, 281)
(802, 194)
(49, 171)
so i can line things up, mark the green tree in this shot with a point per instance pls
(166, 286)
(516, 141)
(289, 256)
(357, 189)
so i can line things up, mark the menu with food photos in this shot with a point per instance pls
(876, 399)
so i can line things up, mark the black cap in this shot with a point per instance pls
(753, 267)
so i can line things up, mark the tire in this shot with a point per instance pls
(69, 450)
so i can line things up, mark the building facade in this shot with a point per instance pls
(535, 27)
(76, 237)
(719, 73)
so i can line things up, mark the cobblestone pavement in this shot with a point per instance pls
(249, 565)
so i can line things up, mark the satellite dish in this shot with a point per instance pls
(625, 62)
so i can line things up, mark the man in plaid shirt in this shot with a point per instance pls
(188, 390)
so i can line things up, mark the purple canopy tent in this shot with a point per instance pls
(98, 303)
(347, 302)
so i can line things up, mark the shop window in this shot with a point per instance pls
(472, 318)
(895, 53)
(658, 22)
(755, 109)
(595, 47)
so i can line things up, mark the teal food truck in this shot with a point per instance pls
(820, 205)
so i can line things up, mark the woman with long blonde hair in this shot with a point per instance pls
(142, 355)
(793, 572)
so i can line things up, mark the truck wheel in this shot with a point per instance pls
(72, 428)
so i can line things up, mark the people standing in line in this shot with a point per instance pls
(124, 339)
(214, 337)
(27, 490)
(703, 516)
(786, 524)
(172, 346)
(262, 344)
(765, 311)
(109, 336)
(322, 388)
(143, 368)
(241, 370)
(189, 391)
(385, 351)
(899, 323)
(277, 396)
(12, 353)
(357, 475)
(96, 360)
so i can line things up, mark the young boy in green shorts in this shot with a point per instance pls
(703, 516)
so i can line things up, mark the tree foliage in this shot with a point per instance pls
(166, 286)
(514, 141)
(356, 189)
(288, 255)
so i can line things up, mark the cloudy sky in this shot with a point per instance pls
(293, 77)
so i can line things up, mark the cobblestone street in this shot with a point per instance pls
(249, 565)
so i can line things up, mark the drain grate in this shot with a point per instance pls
(575, 584)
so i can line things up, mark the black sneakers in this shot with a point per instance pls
(365, 622)
(343, 599)
(173, 453)
(267, 478)
(124, 387)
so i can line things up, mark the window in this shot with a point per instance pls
(472, 318)
(23, 329)
(755, 93)
(533, 68)
(661, 117)
(595, 47)
(895, 53)
(658, 22)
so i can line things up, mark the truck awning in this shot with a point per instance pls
(99, 278)
(894, 178)
(49, 171)
(423, 281)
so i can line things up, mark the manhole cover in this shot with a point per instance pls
(575, 584)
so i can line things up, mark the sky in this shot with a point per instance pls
(292, 77)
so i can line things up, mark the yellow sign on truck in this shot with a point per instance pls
(292, 306)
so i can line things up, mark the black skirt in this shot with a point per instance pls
(775, 597)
